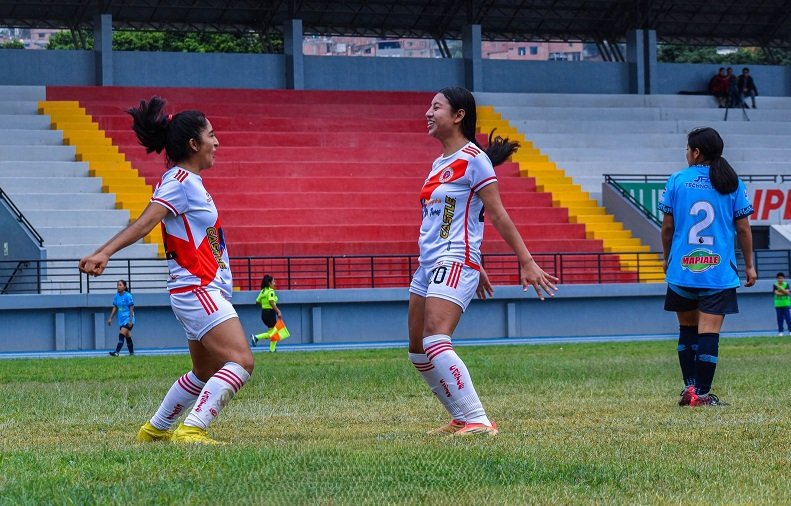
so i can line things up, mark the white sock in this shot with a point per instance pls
(432, 377)
(216, 393)
(179, 398)
(455, 376)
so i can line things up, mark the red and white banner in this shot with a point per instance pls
(771, 201)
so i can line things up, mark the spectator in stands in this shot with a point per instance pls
(200, 282)
(782, 303)
(747, 88)
(718, 86)
(460, 184)
(124, 304)
(734, 99)
(705, 206)
(267, 299)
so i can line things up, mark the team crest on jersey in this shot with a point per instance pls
(446, 175)
(700, 260)
(208, 198)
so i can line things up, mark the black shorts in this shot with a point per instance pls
(128, 326)
(269, 317)
(705, 300)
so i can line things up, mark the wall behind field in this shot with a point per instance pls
(267, 71)
(78, 322)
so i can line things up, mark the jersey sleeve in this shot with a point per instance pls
(272, 297)
(742, 207)
(172, 195)
(666, 198)
(130, 300)
(481, 173)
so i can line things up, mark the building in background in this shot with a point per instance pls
(35, 38)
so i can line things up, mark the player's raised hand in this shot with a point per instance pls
(533, 275)
(94, 264)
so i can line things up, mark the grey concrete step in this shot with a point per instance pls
(54, 201)
(608, 100)
(77, 217)
(23, 93)
(533, 126)
(25, 121)
(37, 153)
(71, 234)
(15, 137)
(77, 251)
(53, 184)
(652, 140)
(755, 157)
(44, 169)
(19, 107)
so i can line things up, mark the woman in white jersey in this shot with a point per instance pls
(200, 277)
(461, 183)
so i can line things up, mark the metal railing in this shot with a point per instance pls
(21, 217)
(329, 272)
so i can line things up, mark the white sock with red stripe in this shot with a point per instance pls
(215, 395)
(179, 398)
(432, 377)
(453, 374)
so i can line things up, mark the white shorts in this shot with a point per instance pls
(447, 279)
(201, 310)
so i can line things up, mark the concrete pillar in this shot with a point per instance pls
(316, 324)
(99, 335)
(292, 49)
(471, 50)
(635, 57)
(103, 49)
(651, 69)
(512, 324)
(60, 331)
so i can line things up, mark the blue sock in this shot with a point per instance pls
(120, 343)
(687, 349)
(129, 345)
(706, 361)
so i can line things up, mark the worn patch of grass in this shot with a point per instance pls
(580, 424)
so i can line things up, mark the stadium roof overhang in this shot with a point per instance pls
(761, 23)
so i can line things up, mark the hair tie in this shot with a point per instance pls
(170, 118)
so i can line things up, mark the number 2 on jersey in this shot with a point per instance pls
(695, 236)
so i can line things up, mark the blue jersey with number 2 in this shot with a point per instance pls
(702, 254)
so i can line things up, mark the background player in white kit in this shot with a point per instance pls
(200, 277)
(461, 183)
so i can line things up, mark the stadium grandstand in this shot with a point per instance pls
(321, 158)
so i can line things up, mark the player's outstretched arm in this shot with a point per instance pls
(485, 288)
(668, 228)
(531, 273)
(745, 236)
(95, 263)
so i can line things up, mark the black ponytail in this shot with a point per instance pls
(499, 148)
(722, 176)
(157, 131)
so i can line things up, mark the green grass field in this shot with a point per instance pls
(580, 424)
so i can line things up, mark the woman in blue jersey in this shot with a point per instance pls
(124, 304)
(460, 184)
(706, 207)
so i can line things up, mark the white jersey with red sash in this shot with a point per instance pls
(452, 225)
(193, 236)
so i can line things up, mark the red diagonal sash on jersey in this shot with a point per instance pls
(445, 175)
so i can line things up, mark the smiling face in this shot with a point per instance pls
(204, 148)
(442, 120)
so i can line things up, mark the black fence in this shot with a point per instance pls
(323, 272)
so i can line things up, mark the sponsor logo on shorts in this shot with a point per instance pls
(700, 260)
